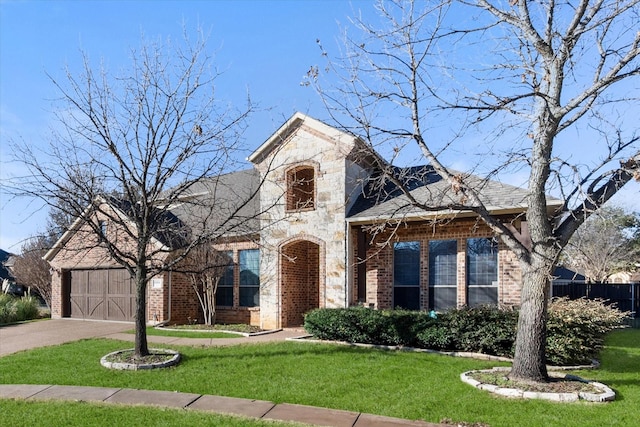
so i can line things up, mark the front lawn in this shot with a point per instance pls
(187, 333)
(397, 384)
(19, 413)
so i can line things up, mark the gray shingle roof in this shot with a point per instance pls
(381, 198)
(224, 205)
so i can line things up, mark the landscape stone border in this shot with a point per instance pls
(138, 366)
(606, 394)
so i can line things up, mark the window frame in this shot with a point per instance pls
(248, 290)
(451, 276)
(223, 285)
(405, 290)
(476, 280)
(294, 201)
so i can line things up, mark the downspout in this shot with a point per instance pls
(166, 321)
(348, 267)
(169, 298)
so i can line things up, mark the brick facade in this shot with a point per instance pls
(379, 261)
(308, 245)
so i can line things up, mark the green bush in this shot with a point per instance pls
(484, 329)
(575, 328)
(17, 309)
(367, 326)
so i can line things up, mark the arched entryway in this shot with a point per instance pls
(300, 279)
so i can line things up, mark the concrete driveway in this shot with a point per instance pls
(30, 335)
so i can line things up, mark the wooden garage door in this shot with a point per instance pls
(102, 295)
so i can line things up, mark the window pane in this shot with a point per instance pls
(224, 294)
(442, 298)
(482, 295)
(443, 274)
(407, 297)
(482, 271)
(406, 275)
(482, 262)
(249, 263)
(443, 262)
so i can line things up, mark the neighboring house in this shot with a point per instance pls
(5, 272)
(624, 277)
(565, 276)
(330, 238)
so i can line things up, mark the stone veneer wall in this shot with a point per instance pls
(324, 225)
(379, 264)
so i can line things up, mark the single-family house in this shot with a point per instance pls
(331, 237)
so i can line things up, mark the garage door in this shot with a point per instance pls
(102, 295)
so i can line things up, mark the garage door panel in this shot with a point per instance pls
(95, 308)
(102, 295)
(120, 308)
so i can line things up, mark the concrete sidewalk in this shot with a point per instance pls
(258, 409)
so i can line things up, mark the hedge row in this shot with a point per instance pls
(575, 329)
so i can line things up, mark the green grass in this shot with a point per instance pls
(186, 333)
(397, 384)
(19, 413)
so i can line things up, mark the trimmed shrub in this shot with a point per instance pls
(367, 326)
(484, 329)
(576, 329)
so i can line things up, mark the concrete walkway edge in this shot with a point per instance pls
(258, 409)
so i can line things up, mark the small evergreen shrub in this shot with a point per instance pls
(576, 329)
(484, 329)
(367, 326)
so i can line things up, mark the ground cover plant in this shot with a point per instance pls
(401, 384)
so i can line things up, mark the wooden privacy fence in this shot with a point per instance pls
(626, 296)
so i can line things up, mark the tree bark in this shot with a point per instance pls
(141, 345)
(529, 363)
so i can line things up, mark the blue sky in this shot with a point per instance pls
(265, 47)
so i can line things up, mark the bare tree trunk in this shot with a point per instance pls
(529, 362)
(141, 345)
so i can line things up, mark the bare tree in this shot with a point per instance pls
(513, 84)
(205, 267)
(31, 270)
(604, 244)
(135, 148)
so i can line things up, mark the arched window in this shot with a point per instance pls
(301, 188)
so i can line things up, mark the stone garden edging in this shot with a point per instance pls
(606, 394)
(124, 366)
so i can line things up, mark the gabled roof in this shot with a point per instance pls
(120, 208)
(289, 127)
(383, 199)
(235, 197)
